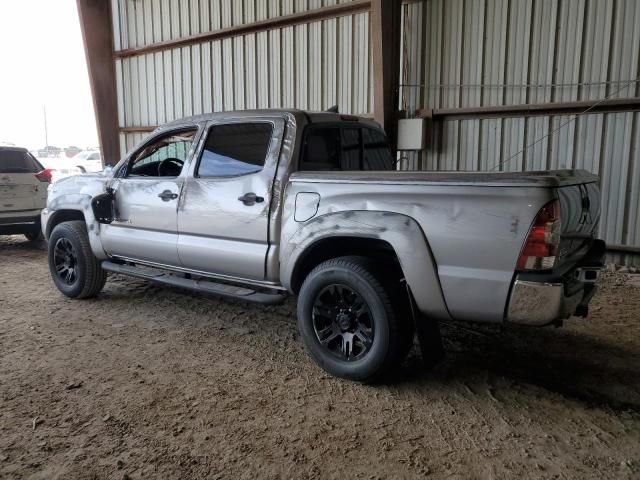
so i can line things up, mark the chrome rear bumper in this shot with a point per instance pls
(543, 299)
(533, 303)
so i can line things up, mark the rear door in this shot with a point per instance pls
(223, 218)
(146, 199)
(20, 189)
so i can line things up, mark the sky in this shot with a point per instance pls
(42, 64)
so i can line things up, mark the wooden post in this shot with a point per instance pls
(97, 33)
(385, 44)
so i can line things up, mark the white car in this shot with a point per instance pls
(88, 161)
(61, 167)
(23, 192)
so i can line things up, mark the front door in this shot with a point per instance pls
(146, 200)
(223, 217)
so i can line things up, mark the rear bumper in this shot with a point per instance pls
(541, 299)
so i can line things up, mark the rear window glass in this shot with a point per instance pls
(235, 149)
(346, 148)
(17, 161)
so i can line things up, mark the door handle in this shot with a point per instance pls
(250, 199)
(168, 195)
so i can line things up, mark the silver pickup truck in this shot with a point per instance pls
(257, 205)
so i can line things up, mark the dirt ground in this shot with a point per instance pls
(153, 382)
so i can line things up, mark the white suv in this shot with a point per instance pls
(23, 192)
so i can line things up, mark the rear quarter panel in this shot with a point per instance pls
(471, 234)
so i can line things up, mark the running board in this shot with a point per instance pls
(199, 285)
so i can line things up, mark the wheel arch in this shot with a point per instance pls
(60, 216)
(398, 237)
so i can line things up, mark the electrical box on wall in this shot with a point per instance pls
(411, 134)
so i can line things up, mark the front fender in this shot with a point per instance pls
(403, 233)
(78, 202)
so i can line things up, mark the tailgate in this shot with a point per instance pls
(19, 191)
(580, 213)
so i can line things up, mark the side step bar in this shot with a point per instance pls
(199, 285)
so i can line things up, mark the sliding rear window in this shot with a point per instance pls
(345, 148)
(18, 161)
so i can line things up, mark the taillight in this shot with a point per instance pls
(44, 175)
(541, 247)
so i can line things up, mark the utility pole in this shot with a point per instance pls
(46, 134)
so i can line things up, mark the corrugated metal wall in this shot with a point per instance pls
(468, 53)
(310, 66)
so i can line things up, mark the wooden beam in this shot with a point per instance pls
(385, 45)
(314, 15)
(97, 34)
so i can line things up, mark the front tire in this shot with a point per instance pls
(74, 269)
(347, 320)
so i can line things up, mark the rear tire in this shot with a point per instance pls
(348, 340)
(35, 235)
(74, 269)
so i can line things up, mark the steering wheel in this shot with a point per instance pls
(170, 167)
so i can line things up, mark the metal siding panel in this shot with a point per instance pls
(115, 21)
(120, 93)
(156, 15)
(218, 76)
(207, 77)
(186, 79)
(152, 101)
(263, 68)
(315, 64)
(329, 62)
(250, 82)
(238, 73)
(301, 48)
(176, 61)
(275, 88)
(159, 78)
(227, 74)
(288, 68)
(633, 188)
(618, 147)
(196, 78)
(345, 64)
(169, 103)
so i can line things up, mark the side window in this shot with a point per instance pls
(94, 156)
(164, 157)
(322, 150)
(350, 148)
(346, 148)
(235, 149)
(377, 154)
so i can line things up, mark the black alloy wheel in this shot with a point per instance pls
(343, 323)
(66, 261)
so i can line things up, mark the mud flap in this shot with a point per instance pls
(103, 206)
(428, 332)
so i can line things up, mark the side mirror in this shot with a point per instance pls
(103, 206)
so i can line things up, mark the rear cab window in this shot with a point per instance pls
(235, 149)
(18, 161)
(345, 148)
